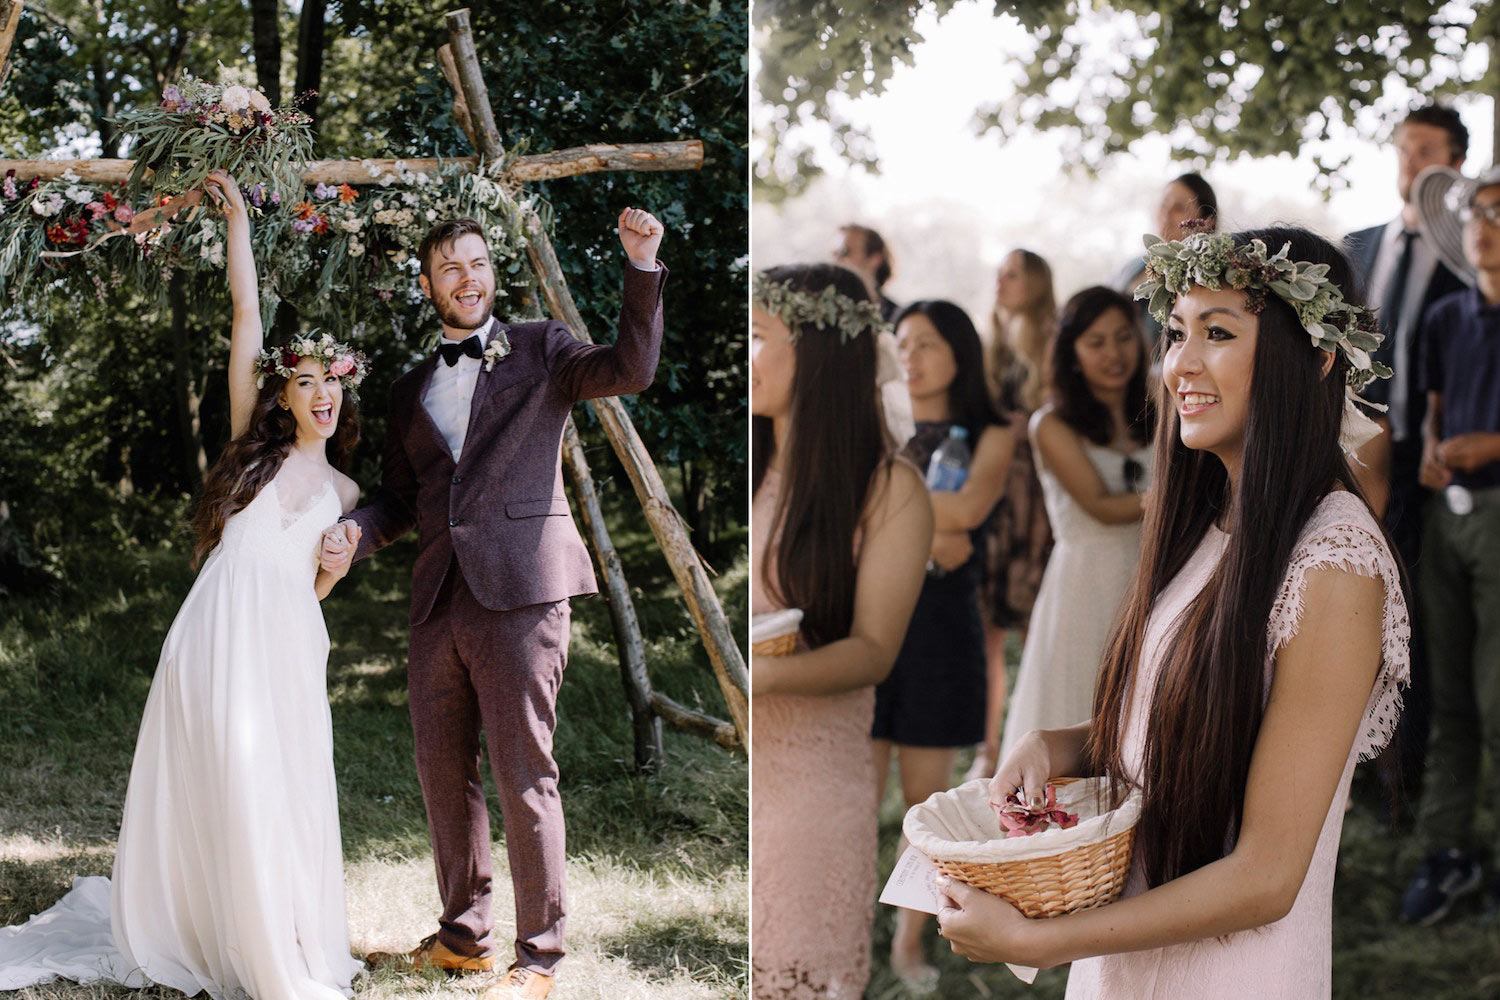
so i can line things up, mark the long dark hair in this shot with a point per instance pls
(969, 400)
(252, 460)
(836, 444)
(1073, 400)
(1207, 704)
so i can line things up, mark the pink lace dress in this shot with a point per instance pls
(1291, 959)
(812, 827)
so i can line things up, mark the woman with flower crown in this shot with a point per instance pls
(228, 874)
(841, 530)
(1258, 656)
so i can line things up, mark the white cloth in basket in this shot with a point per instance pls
(960, 826)
(774, 624)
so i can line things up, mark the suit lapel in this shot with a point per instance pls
(421, 421)
(484, 383)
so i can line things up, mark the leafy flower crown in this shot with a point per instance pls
(828, 310)
(1214, 261)
(341, 360)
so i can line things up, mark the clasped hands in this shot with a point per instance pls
(336, 554)
(1460, 453)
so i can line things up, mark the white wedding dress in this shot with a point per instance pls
(228, 876)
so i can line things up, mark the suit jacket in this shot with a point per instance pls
(500, 509)
(1363, 248)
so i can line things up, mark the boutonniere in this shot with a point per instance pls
(498, 348)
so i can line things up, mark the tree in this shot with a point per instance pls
(1217, 79)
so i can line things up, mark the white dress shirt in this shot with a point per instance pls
(450, 391)
(1404, 327)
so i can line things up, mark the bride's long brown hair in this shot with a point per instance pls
(252, 460)
(1207, 706)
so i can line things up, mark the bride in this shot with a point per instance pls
(228, 875)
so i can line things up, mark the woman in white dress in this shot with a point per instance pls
(228, 874)
(1091, 446)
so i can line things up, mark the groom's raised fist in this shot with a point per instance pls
(640, 235)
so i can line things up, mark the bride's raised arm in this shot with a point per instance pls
(245, 334)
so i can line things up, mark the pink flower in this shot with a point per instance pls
(96, 210)
(1018, 819)
(342, 365)
(123, 214)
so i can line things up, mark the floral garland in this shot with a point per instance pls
(200, 127)
(341, 360)
(1214, 261)
(828, 310)
(329, 250)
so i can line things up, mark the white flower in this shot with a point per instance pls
(401, 256)
(356, 248)
(81, 195)
(499, 347)
(69, 177)
(431, 215)
(235, 98)
(408, 198)
(258, 101)
(48, 208)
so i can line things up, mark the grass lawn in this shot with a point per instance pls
(1375, 957)
(657, 866)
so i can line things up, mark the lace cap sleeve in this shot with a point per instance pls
(1342, 534)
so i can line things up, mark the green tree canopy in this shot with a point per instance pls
(1218, 79)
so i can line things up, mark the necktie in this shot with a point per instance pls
(469, 345)
(1392, 303)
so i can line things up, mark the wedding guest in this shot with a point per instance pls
(1186, 198)
(842, 529)
(864, 251)
(933, 702)
(1458, 580)
(1091, 443)
(1019, 540)
(1259, 654)
(1402, 275)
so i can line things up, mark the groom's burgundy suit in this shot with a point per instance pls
(498, 557)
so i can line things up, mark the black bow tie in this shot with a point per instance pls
(469, 345)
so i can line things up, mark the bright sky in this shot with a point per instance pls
(952, 203)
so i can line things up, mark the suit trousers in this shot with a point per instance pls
(1460, 590)
(473, 669)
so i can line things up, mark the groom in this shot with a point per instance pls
(472, 460)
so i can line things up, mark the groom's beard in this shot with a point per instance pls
(452, 315)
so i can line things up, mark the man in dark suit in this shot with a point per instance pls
(472, 460)
(1402, 276)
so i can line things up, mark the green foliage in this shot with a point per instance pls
(1218, 79)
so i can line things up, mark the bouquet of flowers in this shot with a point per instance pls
(200, 127)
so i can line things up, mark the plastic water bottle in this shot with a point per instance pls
(949, 466)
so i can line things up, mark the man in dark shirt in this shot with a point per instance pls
(1458, 580)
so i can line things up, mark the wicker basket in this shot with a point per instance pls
(1086, 875)
(775, 634)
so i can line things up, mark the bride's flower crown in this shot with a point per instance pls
(828, 310)
(339, 359)
(1214, 261)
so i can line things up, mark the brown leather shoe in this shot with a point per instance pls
(520, 984)
(431, 954)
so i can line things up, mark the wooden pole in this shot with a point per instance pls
(686, 155)
(671, 534)
(10, 19)
(460, 106)
(693, 721)
(461, 37)
(632, 649)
